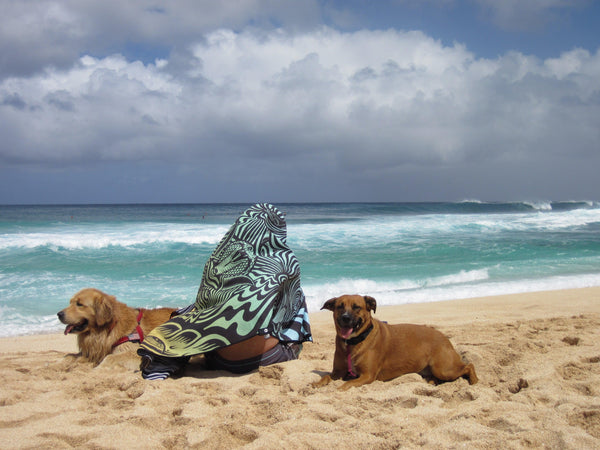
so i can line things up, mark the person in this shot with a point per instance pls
(250, 310)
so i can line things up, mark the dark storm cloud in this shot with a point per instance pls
(49, 33)
(13, 100)
(366, 114)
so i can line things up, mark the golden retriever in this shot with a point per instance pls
(103, 325)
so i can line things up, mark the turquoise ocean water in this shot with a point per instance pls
(153, 255)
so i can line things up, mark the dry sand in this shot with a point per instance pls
(537, 357)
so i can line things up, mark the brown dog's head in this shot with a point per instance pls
(351, 313)
(88, 309)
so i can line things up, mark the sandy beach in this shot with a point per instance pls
(537, 356)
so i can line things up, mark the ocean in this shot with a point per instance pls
(153, 255)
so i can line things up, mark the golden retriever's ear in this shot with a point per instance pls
(371, 303)
(103, 307)
(329, 304)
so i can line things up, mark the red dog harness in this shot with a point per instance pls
(136, 336)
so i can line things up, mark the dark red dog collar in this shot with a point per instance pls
(361, 337)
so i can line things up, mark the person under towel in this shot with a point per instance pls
(250, 310)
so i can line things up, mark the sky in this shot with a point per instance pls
(198, 101)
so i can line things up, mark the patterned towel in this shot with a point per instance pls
(250, 286)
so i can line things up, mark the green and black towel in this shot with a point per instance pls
(250, 286)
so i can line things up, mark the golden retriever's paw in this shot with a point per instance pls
(71, 361)
(134, 389)
(128, 361)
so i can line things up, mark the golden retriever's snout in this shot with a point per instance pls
(71, 328)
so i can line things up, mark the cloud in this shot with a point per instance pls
(518, 15)
(55, 33)
(49, 33)
(368, 103)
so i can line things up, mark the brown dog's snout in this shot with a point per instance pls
(346, 319)
(61, 315)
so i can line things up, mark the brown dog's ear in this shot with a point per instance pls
(329, 304)
(103, 306)
(371, 303)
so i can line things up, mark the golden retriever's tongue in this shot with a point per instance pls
(68, 329)
(346, 332)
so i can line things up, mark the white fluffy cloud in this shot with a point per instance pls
(366, 100)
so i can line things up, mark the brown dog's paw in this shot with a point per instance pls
(325, 380)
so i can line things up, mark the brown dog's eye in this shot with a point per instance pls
(79, 303)
(356, 307)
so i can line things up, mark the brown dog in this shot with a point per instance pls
(367, 349)
(104, 325)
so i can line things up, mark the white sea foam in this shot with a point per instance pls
(539, 205)
(411, 229)
(359, 232)
(16, 324)
(464, 276)
(387, 290)
(403, 292)
(98, 237)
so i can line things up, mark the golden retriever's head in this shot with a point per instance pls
(88, 309)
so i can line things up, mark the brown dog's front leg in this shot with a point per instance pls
(338, 371)
(325, 380)
(362, 379)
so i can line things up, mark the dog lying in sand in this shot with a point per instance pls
(367, 349)
(104, 325)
